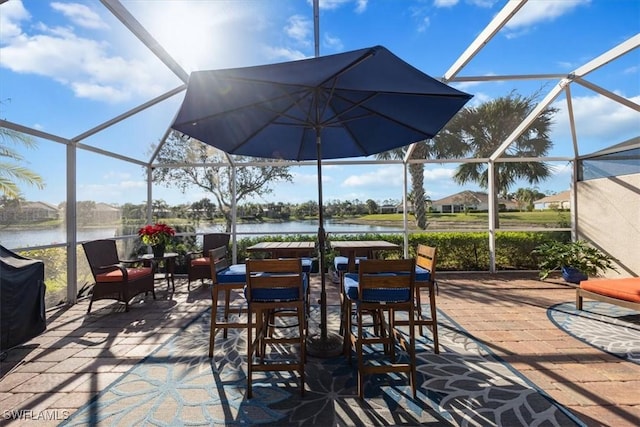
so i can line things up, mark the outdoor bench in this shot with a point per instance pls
(624, 292)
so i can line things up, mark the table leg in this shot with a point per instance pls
(170, 265)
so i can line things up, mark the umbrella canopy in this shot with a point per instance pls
(351, 104)
(364, 102)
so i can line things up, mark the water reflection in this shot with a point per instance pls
(26, 238)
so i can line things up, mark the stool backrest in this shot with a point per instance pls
(219, 259)
(283, 275)
(387, 275)
(426, 258)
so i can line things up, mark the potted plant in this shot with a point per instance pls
(576, 260)
(158, 236)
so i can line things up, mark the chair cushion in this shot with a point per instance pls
(279, 294)
(422, 274)
(116, 275)
(202, 261)
(236, 273)
(627, 288)
(351, 286)
(341, 263)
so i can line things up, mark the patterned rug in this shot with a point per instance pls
(464, 385)
(608, 327)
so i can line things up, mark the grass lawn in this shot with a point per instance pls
(535, 218)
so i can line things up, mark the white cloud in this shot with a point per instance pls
(437, 174)
(334, 43)
(424, 24)
(86, 66)
(445, 3)
(300, 29)
(13, 13)
(360, 5)
(282, 53)
(382, 176)
(534, 12)
(80, 15)
(596, 117)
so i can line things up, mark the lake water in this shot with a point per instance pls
(28, 238)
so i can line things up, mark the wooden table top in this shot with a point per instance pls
(363, 244)
(282, 247)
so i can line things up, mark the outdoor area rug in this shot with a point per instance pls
(178, 384)
(608, 327)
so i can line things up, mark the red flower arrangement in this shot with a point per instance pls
(157, 234)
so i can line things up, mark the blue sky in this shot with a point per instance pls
(69, 66)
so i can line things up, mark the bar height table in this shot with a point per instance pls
(284, 249)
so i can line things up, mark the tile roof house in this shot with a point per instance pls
(471, 200)
(561, 200)
(29, 211)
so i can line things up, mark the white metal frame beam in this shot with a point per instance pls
(496, 24)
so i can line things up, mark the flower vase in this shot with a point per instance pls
(158, 250)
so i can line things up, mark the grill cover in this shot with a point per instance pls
(22, 308)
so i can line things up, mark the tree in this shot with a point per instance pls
(251, 181)
(372, 207)
(11, 172)
(525, 197)
(478, 131)
(416, 170)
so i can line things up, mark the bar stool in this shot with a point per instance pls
(426, 257)
(226, 278)
(382, 286)
(275, 287)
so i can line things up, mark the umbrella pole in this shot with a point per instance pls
(325, 344)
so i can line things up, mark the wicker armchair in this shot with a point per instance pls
(115, 278)
(198, 262)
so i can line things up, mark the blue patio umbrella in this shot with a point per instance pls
(350, 104)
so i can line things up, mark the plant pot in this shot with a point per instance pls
(573, 275)
(158, 250)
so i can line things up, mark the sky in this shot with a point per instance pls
(69, 67)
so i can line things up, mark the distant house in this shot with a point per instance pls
(399, 208)
(106, 213)
(469, 200)
(388, 209)
(556, 201)
(29, 211)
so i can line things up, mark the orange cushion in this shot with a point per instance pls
(626, 289)
(200, 261)
(116, 275)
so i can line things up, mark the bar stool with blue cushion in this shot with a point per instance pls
(275, 286)
(426, 279)
(382, 286)
(347, 264)
(226, 277)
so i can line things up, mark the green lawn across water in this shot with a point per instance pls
(535, 217)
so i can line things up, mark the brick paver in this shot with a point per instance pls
(80, 354)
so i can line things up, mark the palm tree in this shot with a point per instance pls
(479, 131)
(416, 170)
(11, 172)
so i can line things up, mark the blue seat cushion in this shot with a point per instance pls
(279, 294)
(236, 273)
(340, 263)
(351, 286)
(422, 274)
